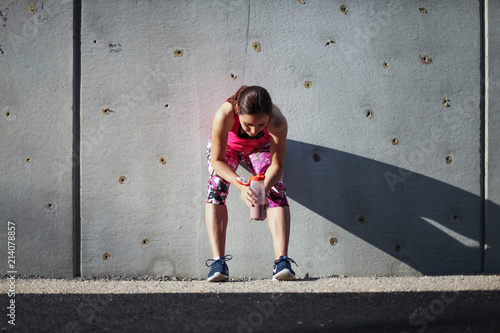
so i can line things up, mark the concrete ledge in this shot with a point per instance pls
(314, 285)
(334, 304)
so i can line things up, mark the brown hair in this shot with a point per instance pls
(252, 100)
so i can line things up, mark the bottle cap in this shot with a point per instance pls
(259, 177)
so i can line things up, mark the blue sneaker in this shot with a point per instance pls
(282, 270)
(218, 269)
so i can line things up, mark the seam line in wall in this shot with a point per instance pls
(77, 52)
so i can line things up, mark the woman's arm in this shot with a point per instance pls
(278, 129)
(222, 125)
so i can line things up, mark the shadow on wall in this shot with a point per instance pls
(431, 226)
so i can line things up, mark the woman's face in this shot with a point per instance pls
(252, 124)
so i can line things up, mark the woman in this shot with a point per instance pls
(247, 128)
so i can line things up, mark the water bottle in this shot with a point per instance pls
(258, 211)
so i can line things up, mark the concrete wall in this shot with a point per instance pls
(383, 165)
(36, 135)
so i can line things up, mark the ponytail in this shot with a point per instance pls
(233, 100)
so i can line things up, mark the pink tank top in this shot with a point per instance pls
(244, 143)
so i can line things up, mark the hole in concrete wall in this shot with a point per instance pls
(49, 206)
(122, 179)
(385, 64)
(234, 77)
(7, 113)
(256, 46)
(333, 241)
(343, 9)
(361, 219)
(308, 84)
(166, 105)
(32, 9)
(105, 111)
(424, 59)
(316, 158)
(397, 248)
(95, 41)
(422, 10)
(369, 114)
(28, 159)
(145, 241)
(446, 102)
(394, 141)
(178, 53)
(106, 256)
(448, 159)
(163, 160)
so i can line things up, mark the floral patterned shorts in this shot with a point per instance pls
(257, 161)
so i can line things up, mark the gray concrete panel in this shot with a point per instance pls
(383, 159)
(36, 137)
(150, 220)
(492, 138)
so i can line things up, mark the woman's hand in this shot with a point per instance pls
(247, 195)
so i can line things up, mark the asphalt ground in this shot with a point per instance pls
(375, 304)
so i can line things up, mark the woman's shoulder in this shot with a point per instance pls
(277, 121)
(276, 112)
(226, 110)
(224, 118)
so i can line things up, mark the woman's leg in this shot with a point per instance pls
(278, 214)
(278, 219)
(216, 217)
(216, 220)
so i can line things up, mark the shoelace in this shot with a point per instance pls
(227, 257)
(287, 259)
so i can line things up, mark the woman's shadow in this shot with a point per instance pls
(433, 227)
